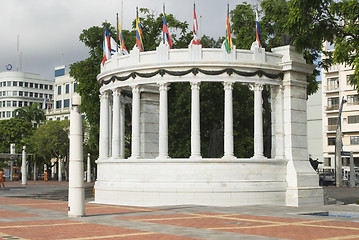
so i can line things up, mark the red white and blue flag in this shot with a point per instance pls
(106, 47)
(195, 40)
(165, 30)
(258, 32)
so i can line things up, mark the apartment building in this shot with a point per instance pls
(335, 88)
(64, 91)
(18, 89)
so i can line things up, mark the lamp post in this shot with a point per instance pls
(76, 202)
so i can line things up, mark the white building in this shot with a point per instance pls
(314, 125)
(335, 87)
(18, 89)
(64, 90)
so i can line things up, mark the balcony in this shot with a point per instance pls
(332, 107)
(333, 87)
(332, 127)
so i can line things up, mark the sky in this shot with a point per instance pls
(49, 30)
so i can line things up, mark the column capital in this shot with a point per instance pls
(163, 86)
(116, 92)
(104, 95)
(195, 85)
(256, 87)
(228, 85)
(136, 89)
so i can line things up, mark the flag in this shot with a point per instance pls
(139, 33)
(195, 40)
(228, 42)
(113, 46)
(44, 103)
(258, 32)
(106, 47)
(120, 38)
(165, 30)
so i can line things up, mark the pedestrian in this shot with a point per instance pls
(45, 176)
(2, 178)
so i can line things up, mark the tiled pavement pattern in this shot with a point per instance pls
(26, 218)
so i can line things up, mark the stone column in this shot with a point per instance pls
(136, 137)
(228, 120)
(122, 129)
(110, 121)
(104, 127)
(59, 175)
(195, 121)
(116, 128)
(258, 121)
(88, 177)
(277, 122)
(163, 121)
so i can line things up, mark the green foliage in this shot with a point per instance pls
(313, 22)
(14, 131)
(50, 140)
(31, 113)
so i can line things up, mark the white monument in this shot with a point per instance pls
(151, 178)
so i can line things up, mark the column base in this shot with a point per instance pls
(195, 157)
(229, 157)
(162, 157)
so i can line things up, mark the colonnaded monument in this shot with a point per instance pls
(149, 177)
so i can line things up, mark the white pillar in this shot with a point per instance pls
(258, 121)
(277, 122)
(88, 168)
(136, 140)
(60, 170)
(76, 202)
(110, 130)
(122, 129)
(116, 123)
(104, 128)
(23, 167)
(195, 121)
(163, 121)
(228, 120)
(35, 171)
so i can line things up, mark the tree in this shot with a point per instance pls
(316, 21)
(14, 131)
(31, 113)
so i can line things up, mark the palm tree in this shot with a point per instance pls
(31, 113)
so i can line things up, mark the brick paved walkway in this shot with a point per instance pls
(26, 218)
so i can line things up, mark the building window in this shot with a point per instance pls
(36, 85)
(58, 119)
(332, 123)
(25, 103)
(333, 103)
(41, 95)
(348, 78)
(58, 104)
(50, 119)
(50, 96)
(67, 88)
(0, 84)
(331, 141)
(8, 114)
(46, 86)
(26, 84)
(14, 84)
(66, 103)
(58, 90)
(41, 86)
(50, 87)
(31, 94)
(21, 84)
(8, 84)
(8, 103)
(26, 94)
(3, 104)
(14, 103)
(3, 114)
(31, 85)
(353, 99)
(353, 119)
(36, 95)
(20, 103)
(354, 140)
(75, 86)
(66, 117)
(14, 93)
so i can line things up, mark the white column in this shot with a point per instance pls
(104, 128)
(195, 121)
(60, 170)
(258, 121)
(116, 123)
(23, 167)
(228, 120)
(122, 130)
(88, 168)
(76, 202)
(277, 122)
(135, 145)
(163, 121)
(35, 171)
(110, 130)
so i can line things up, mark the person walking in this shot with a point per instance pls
(2, 178)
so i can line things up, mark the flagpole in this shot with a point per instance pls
(117, 32)
(163, 33)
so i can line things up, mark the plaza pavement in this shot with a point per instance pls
(38, 211)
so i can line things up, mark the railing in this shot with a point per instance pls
(353, 103)
(333, 107)
(333, 87)
(332, 127)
